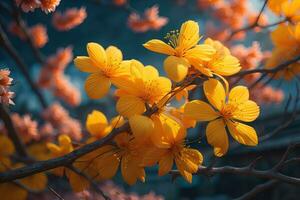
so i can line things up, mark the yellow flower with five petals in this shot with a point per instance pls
(105, 67)
(144, 87)
(181, 49)
(226, 111)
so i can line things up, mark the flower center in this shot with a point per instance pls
(150, 90)
(227, 111)
(176, 148)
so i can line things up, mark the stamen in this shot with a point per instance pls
(172, 38)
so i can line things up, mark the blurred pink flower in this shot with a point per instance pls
(60, 119)
(28, 5)
(119, 2)
(150, 20)
(49, 5)
(69, 19)
(26, 127)
(38, 35)
(5, 81)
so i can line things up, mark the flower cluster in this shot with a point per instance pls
(71, 18)
(289, 9)
(157, 133)
(286, 39)
(45, 5)
(149, 21)
(5, 82)
(52, 77)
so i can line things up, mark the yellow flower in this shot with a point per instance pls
(179, 114)
(144, 87)
(181, 49)
(37, 182)
(105, 67)
(288, 8)
(12, 191)
(184, 93)
(168, 139)
(39, 151)
(286, 39)
(280, 56)
(97, 124)
(224, 113)
(221, 63)
(77, 182)
(103, 163)
(6, 149)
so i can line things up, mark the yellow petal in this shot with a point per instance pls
(114, 56)
(107, 162)
(128, 106)
(226, 66)
(37, 182)
(97, 86)
(165, 164)
(192, 159)
(239, 94)
(165, 131)
(141, 126)
(214, 92)
(159, 46)
(217, 137)
(77, 182)
(164, 85)
(201, 67)
(276, 5)
(247, 111)
(85, 64)
(96, 123)
(200, 111)
(6, 146)
(53, 148)
(202, 52)
(130, 169)
(242, 133)
(176, 68)
(97, 54)
(188, 35)
(282, 36)
(181, 165)
(152, 156)
(12, 192)
(150, 72)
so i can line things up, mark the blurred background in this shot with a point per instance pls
(113, 23)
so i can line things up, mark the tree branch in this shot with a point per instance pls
(258, 189)
(12, 132)
(267, 71)
(5, 43)
(66, 160)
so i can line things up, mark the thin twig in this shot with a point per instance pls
(12, 132)
(91, 181)
(18, 18)
(268, 71)
(6, 44)
(258, 189)
(55, 193)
